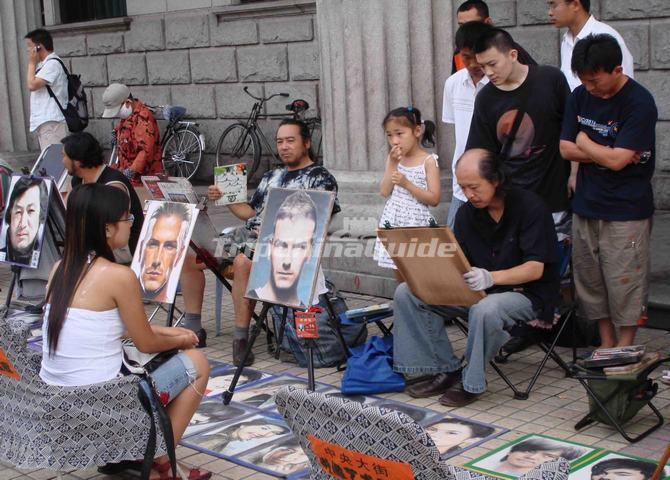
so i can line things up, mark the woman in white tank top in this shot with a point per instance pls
(92, 302)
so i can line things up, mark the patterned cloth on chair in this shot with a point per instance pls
(378, 432)
(65, 428)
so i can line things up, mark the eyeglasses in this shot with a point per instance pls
(131, 219)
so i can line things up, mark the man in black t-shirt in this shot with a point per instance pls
(84, 160)
(478, 11)
(533, 159)
(609, 127)
(508, 235)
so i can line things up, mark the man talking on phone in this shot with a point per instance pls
(45, 72)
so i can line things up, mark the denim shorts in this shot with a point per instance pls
(171, 378)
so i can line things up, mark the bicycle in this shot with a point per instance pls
(182, 143)
(244, 141)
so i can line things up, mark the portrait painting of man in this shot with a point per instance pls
(23, 220)
(288, 252)
(162, 247)
(616, 466)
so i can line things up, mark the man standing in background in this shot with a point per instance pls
(45, 73)
(576, 17)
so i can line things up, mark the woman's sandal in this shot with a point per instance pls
(666, 377)
(165, 471)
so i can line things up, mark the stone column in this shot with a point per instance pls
(17, 17)
(377, 55)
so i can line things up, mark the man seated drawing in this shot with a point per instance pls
(299, 172)
(508, 236)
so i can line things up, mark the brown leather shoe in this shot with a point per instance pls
(239, 347)
(457, 397)
(440, 383)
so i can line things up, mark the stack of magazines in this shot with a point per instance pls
(607, 357)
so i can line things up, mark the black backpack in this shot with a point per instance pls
(76, 109)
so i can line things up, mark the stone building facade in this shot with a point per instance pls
(352, 60)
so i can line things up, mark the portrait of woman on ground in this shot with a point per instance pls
(92, 303)
(241, 436)
(452, 435)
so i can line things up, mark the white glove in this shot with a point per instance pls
(478, 279)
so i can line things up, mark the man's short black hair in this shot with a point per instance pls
(83, 147)
(586, 4)
(469, 33)
(495, 38)
(645, 468)
(41, 37)
(481, 7)
(596, 53)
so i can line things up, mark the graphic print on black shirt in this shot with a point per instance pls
(626, 120)
(535, 162)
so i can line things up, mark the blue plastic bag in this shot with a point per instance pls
(370, 369)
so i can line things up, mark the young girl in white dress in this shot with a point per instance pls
(411, 181)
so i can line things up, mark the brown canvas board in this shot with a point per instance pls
(432, 263)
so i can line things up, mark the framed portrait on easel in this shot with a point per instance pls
(161, 249)
(24, 220)
(288, 252)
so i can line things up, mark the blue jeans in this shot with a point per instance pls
(171, 378)
(421, 343)
(455, 204)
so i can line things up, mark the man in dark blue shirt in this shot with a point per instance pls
(609, 127)
(508, 235)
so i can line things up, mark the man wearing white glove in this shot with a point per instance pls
(508, 236)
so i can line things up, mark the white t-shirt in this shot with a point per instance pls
(458, 103)
(592, 26)
(43, 108)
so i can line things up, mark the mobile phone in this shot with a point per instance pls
(37, 47)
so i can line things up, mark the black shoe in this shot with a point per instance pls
(122, 466)
(239, 347)
(440, 383)
(457, 397)
(202, 338)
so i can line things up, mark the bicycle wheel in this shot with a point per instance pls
(182, 153)
(239, 144)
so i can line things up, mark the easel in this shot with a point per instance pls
(259, 324)
(255, 331)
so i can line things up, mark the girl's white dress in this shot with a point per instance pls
(402, 209)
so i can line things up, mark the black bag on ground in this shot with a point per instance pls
(328, 350)
(76, 109)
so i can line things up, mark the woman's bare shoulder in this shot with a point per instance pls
(114, 274)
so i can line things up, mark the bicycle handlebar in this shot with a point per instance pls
(261, 99)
